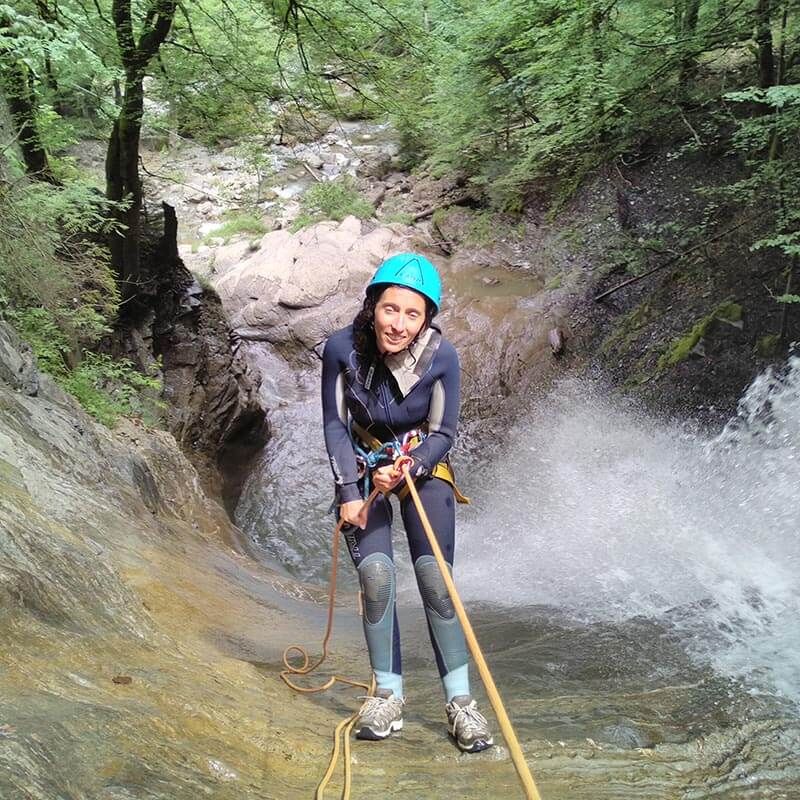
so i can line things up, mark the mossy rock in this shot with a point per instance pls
(682, 347)
(767, 346)
(627, 330)
(302, 125)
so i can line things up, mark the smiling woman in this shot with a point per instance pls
(400, 315)
(390, 386)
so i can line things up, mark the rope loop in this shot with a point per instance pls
(294, 670)
(343, 729)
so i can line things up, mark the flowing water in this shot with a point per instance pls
(607, 515)
(633, 582)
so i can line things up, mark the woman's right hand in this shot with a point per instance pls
(354, 513)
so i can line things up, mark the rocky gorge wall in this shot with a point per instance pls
(179, 329)
(128, 616)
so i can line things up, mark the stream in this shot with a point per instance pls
(635, 583)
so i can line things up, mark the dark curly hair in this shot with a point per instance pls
(364, 325)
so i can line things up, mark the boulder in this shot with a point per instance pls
(375, 164)
(297, 288)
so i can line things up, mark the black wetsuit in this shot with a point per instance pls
(408, 391)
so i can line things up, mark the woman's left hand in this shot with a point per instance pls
(386, 478)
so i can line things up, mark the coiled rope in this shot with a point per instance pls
(343, 729)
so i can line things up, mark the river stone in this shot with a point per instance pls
(626, 735)
(313, 160)
(299, 287)
(376, 164)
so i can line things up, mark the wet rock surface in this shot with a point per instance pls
(141, 647)
(107, 682)
(211, 393)
(17, 363)
(610, 716)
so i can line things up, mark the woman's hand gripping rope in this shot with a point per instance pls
(305, 667)
(403, 465)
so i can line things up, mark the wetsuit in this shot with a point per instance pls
(417, 388)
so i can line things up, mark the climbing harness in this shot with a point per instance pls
(372, 453)
(379, 453)
(402, 463)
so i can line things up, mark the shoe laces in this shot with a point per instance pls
(379, 706)
(470, 719)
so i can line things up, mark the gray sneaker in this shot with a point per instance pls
(467, 725)
(380, 715)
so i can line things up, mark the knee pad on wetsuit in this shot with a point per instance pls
(377, 575)
(441, 613)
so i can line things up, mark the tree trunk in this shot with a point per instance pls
(766, 56)
(687, 15)
(22, 105)
(49, 15)
(123, 185)
(690, 16)
(599, 63)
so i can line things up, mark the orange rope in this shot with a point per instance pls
(531, 792)
(344, 728)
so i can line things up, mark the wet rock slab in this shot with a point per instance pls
(141, 647)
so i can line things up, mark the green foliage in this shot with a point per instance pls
(487, 227)
(514, 92)
(50, 256)
(517, 94)
(108, 388)
(765, 126)
(254, 151)
(767, 346)
(351, 106)
(332, 200)
(236, 224)
(397, 216)
(218, 70)
(57, 289)
(215, 75)
(39, 328)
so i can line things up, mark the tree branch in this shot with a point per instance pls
(669, 261)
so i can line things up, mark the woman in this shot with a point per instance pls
(390, 378)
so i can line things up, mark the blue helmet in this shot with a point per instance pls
(412, 271)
